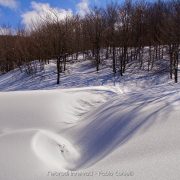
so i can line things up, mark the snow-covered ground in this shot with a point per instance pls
(92, 126)
(82, 74)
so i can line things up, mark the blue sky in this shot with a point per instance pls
(11, 11)
(19, 12)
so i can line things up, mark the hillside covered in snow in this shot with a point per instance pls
(90, 89)
(91, 126)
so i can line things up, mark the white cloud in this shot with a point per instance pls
(43, 10)
(83, 7)
(9, 3)
(5, 31)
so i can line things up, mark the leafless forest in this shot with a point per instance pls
(121, 32)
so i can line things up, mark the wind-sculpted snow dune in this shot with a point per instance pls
(117, 121)
(87, 128)
(32, 124)
(55, 150)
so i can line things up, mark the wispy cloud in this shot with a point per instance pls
(42, 10)
(83, 7)
(12, 4)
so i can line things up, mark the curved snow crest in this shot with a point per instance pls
(52, 110)
(119, 119)
(55, 150)
(101, 121)
(104, 128)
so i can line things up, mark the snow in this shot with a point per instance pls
(89, 124)
(81, 74)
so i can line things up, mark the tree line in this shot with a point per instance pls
(121, 32)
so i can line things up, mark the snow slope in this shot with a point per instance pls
(81, 74)
(110, 131)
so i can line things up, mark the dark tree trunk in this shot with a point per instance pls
(58, 70)
(114, 59)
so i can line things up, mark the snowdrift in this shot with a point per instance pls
(101, 124)
(89, 128)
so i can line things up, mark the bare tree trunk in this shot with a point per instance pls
(124, 58)
(65, 59)
(107, 52)
(176, 62)
(58, 70)
(114, 59)
(171, 61)
(150, 58)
